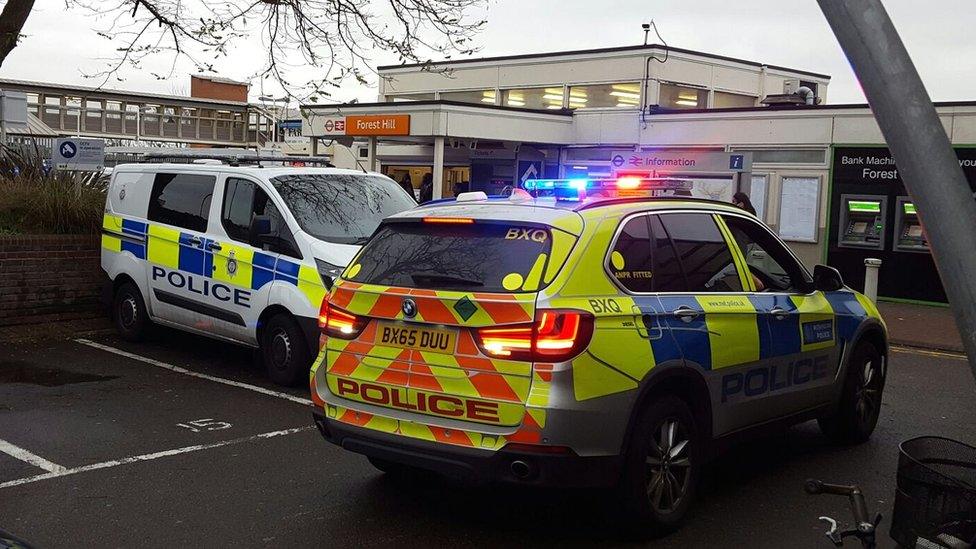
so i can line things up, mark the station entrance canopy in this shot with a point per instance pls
(435, 132)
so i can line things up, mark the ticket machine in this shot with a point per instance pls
(909, 236)
(862, 221)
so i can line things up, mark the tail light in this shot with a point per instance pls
(555, 336)
(335, 322)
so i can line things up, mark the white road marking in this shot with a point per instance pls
(149, 457)
(191, 373)
(925, 352)
(26, 456)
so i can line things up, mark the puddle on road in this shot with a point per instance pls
(17, 371)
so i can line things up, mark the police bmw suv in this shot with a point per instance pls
(587, 338)
(238, 253)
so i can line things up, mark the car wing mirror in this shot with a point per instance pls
(827, 279)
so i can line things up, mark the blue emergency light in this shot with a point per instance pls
(580, 189)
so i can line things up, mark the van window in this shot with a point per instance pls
(181, 200)
(341, 208)
(477, 257)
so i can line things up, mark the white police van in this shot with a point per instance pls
(238, 253)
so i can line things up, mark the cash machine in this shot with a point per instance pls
(909, 236)
(863, 219)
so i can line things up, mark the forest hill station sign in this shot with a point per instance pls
(362, 124)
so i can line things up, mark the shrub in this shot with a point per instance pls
(37, 200)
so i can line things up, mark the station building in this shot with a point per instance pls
(818, 173)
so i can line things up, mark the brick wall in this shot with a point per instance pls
(45, 278)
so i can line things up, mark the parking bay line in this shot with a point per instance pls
(149, 457)
(29, 457)
(191, 373)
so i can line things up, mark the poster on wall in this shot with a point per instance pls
(799, 209)
(757, 195)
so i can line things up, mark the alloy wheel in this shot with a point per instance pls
(668, 465)
(868, 394)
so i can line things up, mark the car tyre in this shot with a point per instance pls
(129, 312)
(860, 403)
(662, 468)
(284, 351)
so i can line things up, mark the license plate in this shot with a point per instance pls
(420, 339)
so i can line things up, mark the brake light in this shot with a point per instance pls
(335, 322)
(449, 220)
(555, 336)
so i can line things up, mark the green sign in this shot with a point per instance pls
(864, 206)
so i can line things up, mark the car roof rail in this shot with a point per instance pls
(234, 159)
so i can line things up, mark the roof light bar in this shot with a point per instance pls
(628, 185)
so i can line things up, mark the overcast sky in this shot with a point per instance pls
(940, 36)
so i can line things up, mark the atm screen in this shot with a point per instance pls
(864, 206)
(860, 227)
(909, 208)
(915, 231)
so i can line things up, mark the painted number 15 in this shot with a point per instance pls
(208, 424)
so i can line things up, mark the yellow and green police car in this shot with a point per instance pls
(586, 334)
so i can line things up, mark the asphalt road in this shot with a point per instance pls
(118, 450)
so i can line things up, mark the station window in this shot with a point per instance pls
(471, 96)
(605, 95)
(674, 96)
(534, 98)
(725, 100)
(400, 98)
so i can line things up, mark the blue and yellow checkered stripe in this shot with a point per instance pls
(730, 331)
(175, 249)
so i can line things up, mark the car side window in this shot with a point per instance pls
(705, 258)
(630, 259)
(668, 276)
(238, 208)
(181, 200)
(243, 200)
(771, 264)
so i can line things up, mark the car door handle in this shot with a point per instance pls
(214, 247)
(685, 314)
(194, 241)
(778, 313)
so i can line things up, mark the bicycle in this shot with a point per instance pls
(864, 529)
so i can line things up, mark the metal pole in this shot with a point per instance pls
(924, 156)
(871, 268)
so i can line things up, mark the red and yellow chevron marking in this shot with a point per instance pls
(433, 306)
(411, 429)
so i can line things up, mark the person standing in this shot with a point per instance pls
(427, 188)
(741, 200)
(407, 185)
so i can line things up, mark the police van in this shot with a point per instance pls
(238, 253)
(591, 337)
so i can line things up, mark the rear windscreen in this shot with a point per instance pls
(477, 257)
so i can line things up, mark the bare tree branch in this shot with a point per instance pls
(311, 46)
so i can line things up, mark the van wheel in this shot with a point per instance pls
(662, 467)
(284, 351)
(129, 312)
(860, 403)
